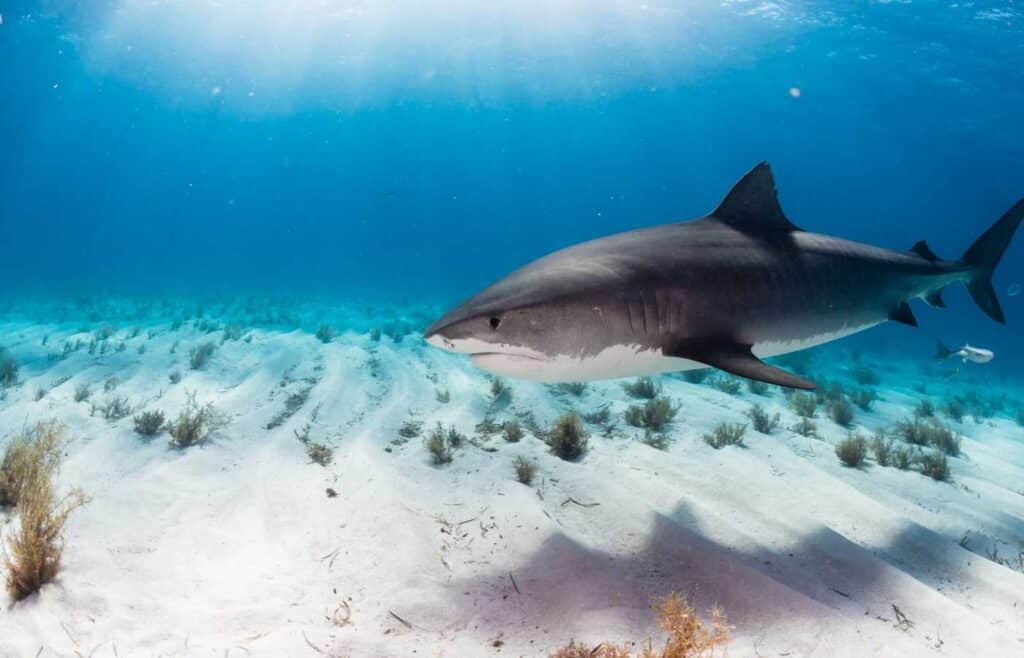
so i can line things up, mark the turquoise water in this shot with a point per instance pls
(391, 152)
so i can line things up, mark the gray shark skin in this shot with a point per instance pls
(725, 290)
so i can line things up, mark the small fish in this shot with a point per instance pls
(1013, 290)
(967, 353)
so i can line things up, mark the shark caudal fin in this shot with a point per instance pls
(984, 256)
(941, 351)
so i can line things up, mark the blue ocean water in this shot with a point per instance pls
(407, 151)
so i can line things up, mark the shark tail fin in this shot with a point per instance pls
(984, 255)
(941, 351)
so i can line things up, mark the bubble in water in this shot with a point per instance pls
(794, 92)
(1013, 290)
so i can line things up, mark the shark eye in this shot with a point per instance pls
(495, 323)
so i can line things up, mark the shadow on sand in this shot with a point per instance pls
(566, 585)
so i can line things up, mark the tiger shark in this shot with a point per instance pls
(726, 290)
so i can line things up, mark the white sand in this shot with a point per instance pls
(234, 548)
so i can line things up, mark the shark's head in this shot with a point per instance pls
(533, 323)
(505, 341)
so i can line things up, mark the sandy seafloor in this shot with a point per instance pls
(234, 548)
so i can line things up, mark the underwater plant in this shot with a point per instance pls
(501, 394)
(488, 426)
(934, 465)
(410, 428)
(841, 412)
(805, 427)
(931, 432)
(201, 354)
(852, 451)
(939, 435)
(924, 409)
(757, 387)
(866, 376)
(8, 369)
(829, 391)
(512, 431)
(149, 423)
(902, 457)
(599, 416)
(762, 421)
(525, 470)
(864, 398)
(727, 384)
(195, 423)
(656, 440)
(804, 404)
(41, 444)
(319, 453)
(32, 553)
(882, 449)
(654, 414)
(82, 392)
(455, 438)
(568, 438)
(576, 389)
(912, 431)
(232, 332)
(954, 409)
(644, 388)
(688, 635)
(441, 442)
(325, 333)
(105, 332)
(726, 434)
(114, 408)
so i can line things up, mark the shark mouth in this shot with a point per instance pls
(509, 362)
(511, 355)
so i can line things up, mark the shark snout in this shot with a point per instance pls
(437, 339)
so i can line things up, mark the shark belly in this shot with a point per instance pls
(618, 361)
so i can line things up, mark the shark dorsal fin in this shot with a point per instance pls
(752, 203)
(924, 251)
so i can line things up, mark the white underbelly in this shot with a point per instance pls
(768, 349)
(619, 361)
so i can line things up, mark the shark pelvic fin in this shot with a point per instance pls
(934, 299)
(738, 360)
(752, 203)
(902, 313)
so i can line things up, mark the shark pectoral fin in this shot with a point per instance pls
(902, 313)
(739, 360)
